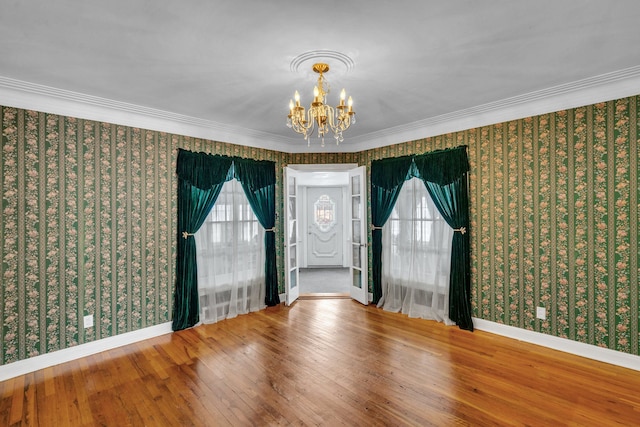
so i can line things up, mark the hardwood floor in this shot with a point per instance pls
(325, 362)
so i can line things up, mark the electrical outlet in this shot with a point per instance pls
(88, 321)
(541, 313)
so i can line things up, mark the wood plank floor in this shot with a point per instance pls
(325, 362)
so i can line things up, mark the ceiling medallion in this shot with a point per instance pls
(324, 117)
(340, 62)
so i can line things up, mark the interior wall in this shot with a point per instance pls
(88, 223)
(554, 220)
(87, 227)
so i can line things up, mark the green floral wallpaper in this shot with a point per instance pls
(554, 209)
(88, 214)
(87, 227)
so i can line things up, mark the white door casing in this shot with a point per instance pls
(356, 209)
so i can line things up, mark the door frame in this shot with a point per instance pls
(339, 167)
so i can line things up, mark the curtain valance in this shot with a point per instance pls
(441, 167)
(203, 170)
(255, 174)
(390, 173)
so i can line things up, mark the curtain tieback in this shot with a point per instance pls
(461, 230)
(270, 230)
(185, 234)
(373, 227)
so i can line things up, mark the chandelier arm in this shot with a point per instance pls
(311, 123)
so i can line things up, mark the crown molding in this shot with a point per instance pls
(32, 96)
(605, 87)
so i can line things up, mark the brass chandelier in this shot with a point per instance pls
(324, 117)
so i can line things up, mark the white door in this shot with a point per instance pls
(324, 226)
(291, 236)
(359, 289)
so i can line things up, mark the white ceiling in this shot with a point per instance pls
(223, 69)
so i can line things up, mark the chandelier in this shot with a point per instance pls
(324, 117)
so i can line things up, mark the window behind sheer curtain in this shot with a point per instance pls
(230, 258)
(416, 256)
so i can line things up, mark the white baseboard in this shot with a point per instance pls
(32, 364)
(562, 344)
(25, 366)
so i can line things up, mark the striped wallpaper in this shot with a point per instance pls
(88, 214)
(554, 221)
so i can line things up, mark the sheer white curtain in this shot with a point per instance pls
(230, 258)
(416, 256)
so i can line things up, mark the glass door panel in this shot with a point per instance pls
(359, 282)
(291, 239)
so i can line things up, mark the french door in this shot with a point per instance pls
(291, 247)
(359, 289)
(356, 235)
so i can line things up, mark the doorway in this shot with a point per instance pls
(325, 211)
(325, 270)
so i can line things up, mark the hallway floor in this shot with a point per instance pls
(324, 280)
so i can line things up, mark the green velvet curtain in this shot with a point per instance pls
(200, 179)
(387, 177)
(258, 179)
(444, 173)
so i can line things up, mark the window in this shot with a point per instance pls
(324, 213)
(416, 256)
(231, 227)
(230, 257)
(416, 222)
